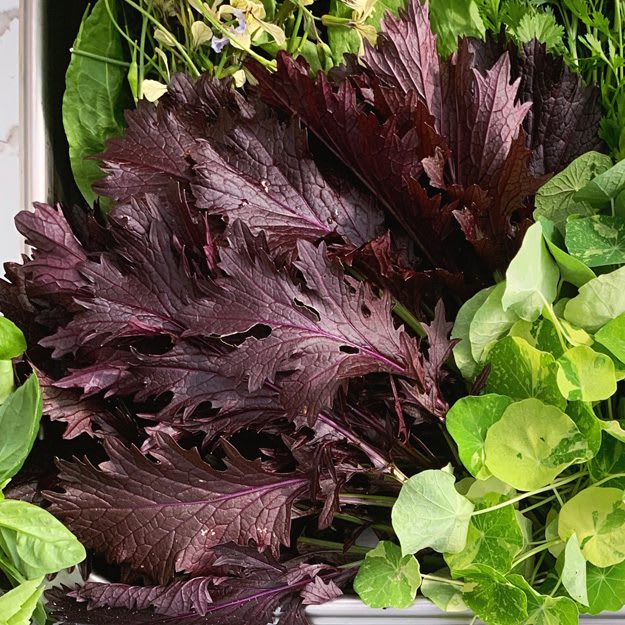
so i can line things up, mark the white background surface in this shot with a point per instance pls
(9, 141)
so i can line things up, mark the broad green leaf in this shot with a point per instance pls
(462, 350)
(19, 423)
(597, 516)
(36, 542)
(520, 371)
(612, 337)
(613, 428)
(556, 200)
(532, 277)
(490, 323)
(12, 341)
(493, 598)
(17, 605)
(608, 461)
(597, 241)
(586, 375)
(386, 579)
(96, 95)
(480, 488)
(451, 19)
(532, 443)
(6, 379)
(547, 337)
(586, 421)
(603, 188)
(571, 269)
(551, 533)
(494, 538)
(543, 609)
(574, 571)
(429, 512)
(606, 588)
(468, 421)
(598, 302)
(446, 597)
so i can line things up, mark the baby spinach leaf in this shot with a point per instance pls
(532, 443)
(586, 375)
(556, 199)
(493, 598)
(12, 341)
(543, 609)
(429, 512)
(597, 516)
(612, 337)
(494, 538)
(468, 421)
(462, 350)
(604, 188)
(597, 241)
(574, 571)
(36, 542)
(445, 596)
(490, 322)
(598, 302)
(19, 423)
(532, 277)
(17, 605)
(386, 579)
(520, 371)
(95, 95)
(606, 588)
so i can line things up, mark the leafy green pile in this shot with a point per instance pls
(535, 533)
(33, 544)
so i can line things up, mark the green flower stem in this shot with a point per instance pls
(607, 479)
(99, 57)
(536, 550)
(292, 44)
(538, 504)
(367, 500)
(443, 580)
(334, 546)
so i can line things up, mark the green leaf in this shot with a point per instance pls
(604, 188)
(493, 598)
(612, 337)
(574, 571)
(546, 610)
(446, 597)
(532, 443)
(532, 277)
(597, 516)
(521, 371)
(609, 460)
(36, 542)
(541, 25)
(606, 588)
(17, 605)
(586, 375)
(6, 380)
(19, 423)
(96, 95)
(494, 538)
(12, 341)
(490, 323)
(429, 512)
(598, 302)
(613, 428)
(597, 241)
(386, 579)
(451, 19)
(468, 421)
(556, 199)
(586, 421)
(462, 350)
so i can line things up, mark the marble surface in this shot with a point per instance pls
(10, 245)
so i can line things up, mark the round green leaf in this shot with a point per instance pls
(597, 516)
(609, 460)
(386, 579)
(574, 571)
(429, 512)
(468, 421)
(12, 341)
(446, 597)
(606, 588)
(546, 610)
(586, 421)
(597, 241)
(532, 443)
(586, 375)
(612, 337)
(520, 371)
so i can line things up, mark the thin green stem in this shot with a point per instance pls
(294, 33)
(408, 318)
(536, 550)
(443, 580)
(98, 57)
(328, 544)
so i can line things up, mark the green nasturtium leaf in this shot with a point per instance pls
(12, 341)
(613, 428)
(532, 277)
(603, 188)
(36, 542)
(574, 571)
(586, 375)
(597, 241)
(462, 350)
(20, 415)
(612, 337)
(445, 596)
(468, 421)
(492, 597)
(429, 512)
(586, 421)
(386, 579)
(608, 461)
(494, 538)
(598, 302)
(17, 605)
(532, 443)
(597, 516)
(546, 610)
(490, 323)
(551, 534)
(606, 588)
(556, 199)
(521, 371)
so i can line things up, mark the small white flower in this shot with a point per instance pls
(153, 89)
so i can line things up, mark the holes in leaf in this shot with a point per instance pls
(366, 312)
(349, 349)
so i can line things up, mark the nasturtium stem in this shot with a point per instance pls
(367, 500)
(329, 544)
(533, 552)
(443, 580)
(99, 57)
(607, 479)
